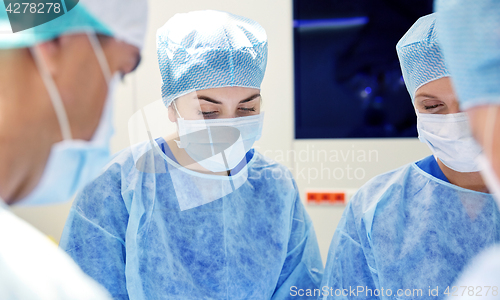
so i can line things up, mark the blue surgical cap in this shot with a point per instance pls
(470, 36)
(125, 20)
(210, 49)
(420, 55)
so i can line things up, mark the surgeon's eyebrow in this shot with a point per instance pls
(218, 102)
(250, 98)
(425, 95)
(209, 99)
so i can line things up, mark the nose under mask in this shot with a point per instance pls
(219, 144)
(449, 136)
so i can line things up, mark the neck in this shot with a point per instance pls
(471, 181)
(26, 130)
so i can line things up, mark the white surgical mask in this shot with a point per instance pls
(219, 144)
(73, 163)
(450, 138)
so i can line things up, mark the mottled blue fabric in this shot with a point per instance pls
(126, 231)
(210, 49)
(408, 230)
(469, 33)
(420, 55)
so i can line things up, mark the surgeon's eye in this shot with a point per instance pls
(436, 108)
(208, 114)
(432, 106)
(247, 110)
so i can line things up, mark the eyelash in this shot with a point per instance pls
(432, 106)
(211, 113)
(207, 113)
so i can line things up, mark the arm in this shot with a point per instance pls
(303, 267)
(347, 271)
(94, 234)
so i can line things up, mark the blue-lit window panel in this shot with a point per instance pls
(339, 23)
(348, 81)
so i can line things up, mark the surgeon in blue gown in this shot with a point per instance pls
(471, 44)
(164, 221)
(408, 233)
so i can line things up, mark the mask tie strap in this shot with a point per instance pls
(101, 57)
(54, 95)
(178, 142)
(176, 110)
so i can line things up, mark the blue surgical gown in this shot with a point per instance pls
(409, 232)
(126, 231)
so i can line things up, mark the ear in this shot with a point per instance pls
(172, 116)
(50, 52)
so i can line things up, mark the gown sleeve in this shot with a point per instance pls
(94, 234)
(303, 268)
(347, 273)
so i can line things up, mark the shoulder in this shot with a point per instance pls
(260, 162)
(274, 184)
(136, 158)
(266, 169)
(33, 267)
(106, 190)
(391, 186)
(125, 160)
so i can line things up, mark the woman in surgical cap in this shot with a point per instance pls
(199, 214)
(410, 232)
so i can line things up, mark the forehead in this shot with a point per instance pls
(228, 92)
(222, 96)
(438, 88)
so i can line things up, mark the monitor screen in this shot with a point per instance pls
(348, 82)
